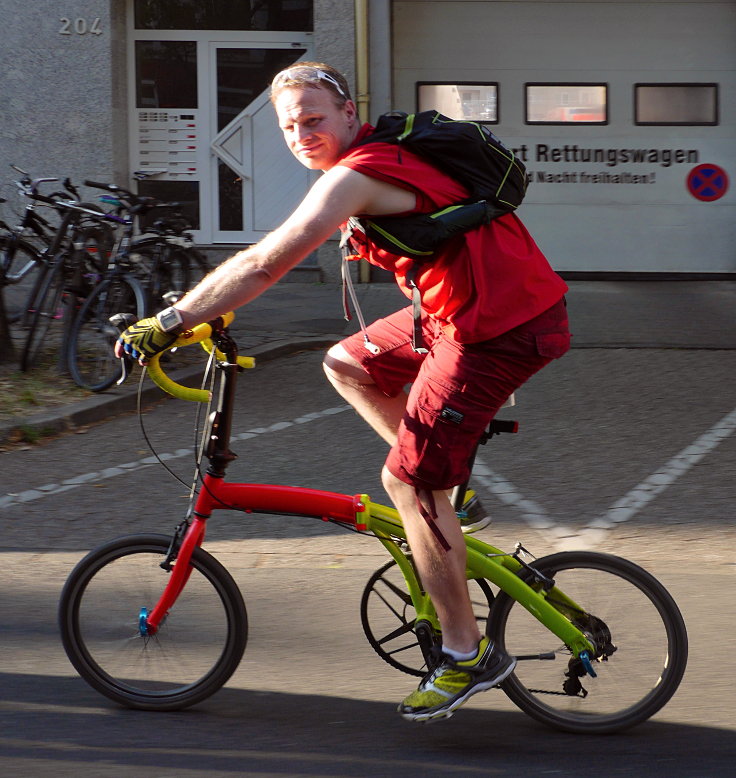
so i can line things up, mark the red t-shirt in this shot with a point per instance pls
(482, 283)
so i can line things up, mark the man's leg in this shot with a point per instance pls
(442, 571)
(475, 664)
(353, 383)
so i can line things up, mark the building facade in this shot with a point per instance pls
(624, 113)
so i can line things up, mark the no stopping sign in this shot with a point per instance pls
(707, 182)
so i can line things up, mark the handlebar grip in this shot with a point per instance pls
(199, 334)
(98, 185)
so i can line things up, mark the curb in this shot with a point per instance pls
(103, 406)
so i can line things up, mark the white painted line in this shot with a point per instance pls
(622, 510)
(657, 482)
(39, 492)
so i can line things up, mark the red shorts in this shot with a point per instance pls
(456, 388)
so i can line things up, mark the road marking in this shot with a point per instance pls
(39, 492)
(531, 512)
(623, 509)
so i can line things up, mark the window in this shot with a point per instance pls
(223, 15)
(689, 104)
(166, 74)
(473, 101)
(566, 103)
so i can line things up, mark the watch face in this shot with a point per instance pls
(170, 319)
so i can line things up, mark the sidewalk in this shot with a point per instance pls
(294, 316)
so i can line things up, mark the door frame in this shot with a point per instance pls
(205, 157)
(250, 232)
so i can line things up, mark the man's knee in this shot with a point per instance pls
(394, 486)
(341, 368)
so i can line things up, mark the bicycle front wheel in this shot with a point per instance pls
(640, 639)
(92, 363)
(197, 648)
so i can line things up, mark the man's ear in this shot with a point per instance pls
(351, 110)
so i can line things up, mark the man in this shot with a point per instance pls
(493, 314)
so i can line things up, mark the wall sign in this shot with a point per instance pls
(707, 183)
(80, 26)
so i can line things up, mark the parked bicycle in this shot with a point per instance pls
(156, 623)
(141, 273)
(23, 257)
(70, 270)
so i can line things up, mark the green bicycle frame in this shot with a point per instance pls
(484, 561)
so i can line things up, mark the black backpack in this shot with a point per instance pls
(468, 152)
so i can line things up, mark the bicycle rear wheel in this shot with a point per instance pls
(92, 363)
(47, 309)
(197, 648)
(640, 638)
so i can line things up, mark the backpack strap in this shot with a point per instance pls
(348, 290)
(417, 340)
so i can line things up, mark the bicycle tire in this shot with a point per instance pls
(97, 238)
(634, 615)
(91, 361)
(197, 648)
(48, 306)
(388, 618)
(18, 256)
(164, 268)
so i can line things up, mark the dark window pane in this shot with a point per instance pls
(230, 189)
(676, 104)
(184, 192)
(242, 74)
(224, 15)
(166, 74)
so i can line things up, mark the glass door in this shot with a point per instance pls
(256, 182)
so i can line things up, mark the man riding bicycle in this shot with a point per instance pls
(493, 314)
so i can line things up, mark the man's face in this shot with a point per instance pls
(316, 130)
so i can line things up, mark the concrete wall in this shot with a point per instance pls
(63, 89)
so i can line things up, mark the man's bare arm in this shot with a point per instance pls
(336, 196)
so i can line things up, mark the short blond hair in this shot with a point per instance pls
(314, 75)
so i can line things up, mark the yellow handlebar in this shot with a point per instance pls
(202, 334)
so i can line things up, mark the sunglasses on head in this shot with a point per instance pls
(305, 74)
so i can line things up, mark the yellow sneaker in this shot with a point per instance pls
(452, 682)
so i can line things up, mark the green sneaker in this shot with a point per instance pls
(473, 516)
(452, 682)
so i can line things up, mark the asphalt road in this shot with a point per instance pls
(627, 451)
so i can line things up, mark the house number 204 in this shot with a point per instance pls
(80, 26)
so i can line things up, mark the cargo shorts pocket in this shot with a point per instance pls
(443, 441)
(552, 345)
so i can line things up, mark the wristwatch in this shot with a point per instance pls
(170, 320)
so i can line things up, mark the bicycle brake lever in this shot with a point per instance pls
(122, 321)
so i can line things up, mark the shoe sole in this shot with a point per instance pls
(445, 713)
(476, 525)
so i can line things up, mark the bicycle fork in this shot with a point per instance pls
(187, 538)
